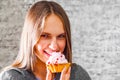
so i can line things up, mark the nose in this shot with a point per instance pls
(54, 45)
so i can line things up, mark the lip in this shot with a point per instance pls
(47, 54)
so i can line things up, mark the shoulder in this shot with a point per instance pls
(79, 73)
(16, 74)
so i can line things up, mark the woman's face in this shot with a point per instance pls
(52, 39)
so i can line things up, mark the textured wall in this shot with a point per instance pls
(95, 33)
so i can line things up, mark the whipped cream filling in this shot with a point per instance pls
(56, 58)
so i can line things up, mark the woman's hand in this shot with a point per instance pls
(65, 74)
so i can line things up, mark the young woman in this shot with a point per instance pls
(46, 30)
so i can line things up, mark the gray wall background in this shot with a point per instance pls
(95, 34)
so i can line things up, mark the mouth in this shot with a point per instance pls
(47, 54)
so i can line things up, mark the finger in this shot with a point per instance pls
(69, 70)
(68, 74)
(49, 75)
(65, 75)
(62, 77)
(64, 70)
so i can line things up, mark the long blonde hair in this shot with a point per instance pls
(33, 26)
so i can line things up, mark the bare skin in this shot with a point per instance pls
(65, 74)
(52, 40)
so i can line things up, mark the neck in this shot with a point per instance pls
(40, 69)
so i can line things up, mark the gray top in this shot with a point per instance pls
(77, 73)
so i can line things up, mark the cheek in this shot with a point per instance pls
(62, 45)
(41, 46)
(39, 52)
(38, 48)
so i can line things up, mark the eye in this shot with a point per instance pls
(61, 36)
(45, 36)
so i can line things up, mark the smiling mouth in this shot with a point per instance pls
(47, 54)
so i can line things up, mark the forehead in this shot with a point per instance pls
(53, 24)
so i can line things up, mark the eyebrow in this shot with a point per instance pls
(50, 34)
(45, 33)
